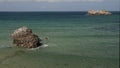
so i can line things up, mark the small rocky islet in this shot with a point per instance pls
(24, 37)
(98, 12)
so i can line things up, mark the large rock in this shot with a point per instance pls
(100, 12)
(23, 37)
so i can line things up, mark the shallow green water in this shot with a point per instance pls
(75, 40)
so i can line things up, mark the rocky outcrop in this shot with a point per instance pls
(100, 12)
(23, 37)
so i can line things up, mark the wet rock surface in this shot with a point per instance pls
(23, 37)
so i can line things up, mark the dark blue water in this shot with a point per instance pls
(42, 15)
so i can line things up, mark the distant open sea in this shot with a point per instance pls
(69, 33)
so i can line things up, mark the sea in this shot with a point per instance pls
(76, 40)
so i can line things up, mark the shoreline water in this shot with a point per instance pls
(74, 40)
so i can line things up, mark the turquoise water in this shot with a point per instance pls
(75, 40)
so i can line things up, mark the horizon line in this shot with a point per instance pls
(57, 11)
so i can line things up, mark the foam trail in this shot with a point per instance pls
(43, 46)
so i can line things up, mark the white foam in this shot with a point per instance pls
(42, 46)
